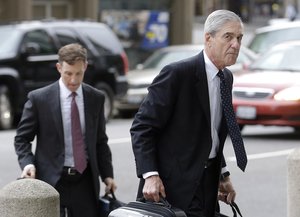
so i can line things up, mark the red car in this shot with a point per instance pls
(269, 94)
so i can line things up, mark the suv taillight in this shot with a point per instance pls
(125, 62)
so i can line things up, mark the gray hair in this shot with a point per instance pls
(216, 20)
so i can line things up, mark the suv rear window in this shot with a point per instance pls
(66, 36)
(102, 39)
(263, 41)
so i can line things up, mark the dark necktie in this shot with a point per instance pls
(77, 138)
(233, 128)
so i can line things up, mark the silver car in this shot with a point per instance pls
(140, 78)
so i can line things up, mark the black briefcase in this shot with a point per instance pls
(108, 203)
(149, 209)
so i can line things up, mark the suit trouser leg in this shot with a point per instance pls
(78, 197)
(205, 198)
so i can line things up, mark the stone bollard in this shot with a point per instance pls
(29, 198)
(293, 184)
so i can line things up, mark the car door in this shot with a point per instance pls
(38, 59)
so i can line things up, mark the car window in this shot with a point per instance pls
(41, 39)
(66, 36)
(284, 60)
(263, 41)
(9, 40)
(103, 39)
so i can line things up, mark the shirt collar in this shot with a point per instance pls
(211, 69)
(65, 92)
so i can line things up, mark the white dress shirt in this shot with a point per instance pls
(213, 82)
(65, 102)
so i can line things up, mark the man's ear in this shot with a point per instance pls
(58, 67)
(86, 65)
(207, 37)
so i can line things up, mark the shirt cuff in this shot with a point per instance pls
(29, 166)
(148, 174)
(224, 170)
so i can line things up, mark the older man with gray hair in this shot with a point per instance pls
(179, 132)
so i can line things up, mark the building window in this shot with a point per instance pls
(60, 9)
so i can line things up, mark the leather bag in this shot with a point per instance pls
(108, 203)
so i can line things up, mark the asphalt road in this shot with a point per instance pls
(262, 189)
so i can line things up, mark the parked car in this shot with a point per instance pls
(28, 54)
(270, 93)
(142, 77)
(268, 36)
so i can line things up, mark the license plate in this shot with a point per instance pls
(246, 112)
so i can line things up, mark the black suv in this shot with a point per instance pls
(28, 55)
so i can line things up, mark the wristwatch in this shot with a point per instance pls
(224, 175)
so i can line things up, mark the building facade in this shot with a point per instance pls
(91, 9)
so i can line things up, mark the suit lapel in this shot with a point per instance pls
(202, 86)
(88, 112)
(54, 103)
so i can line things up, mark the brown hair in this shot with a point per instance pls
(72, 53)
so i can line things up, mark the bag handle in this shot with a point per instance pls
(112, 194)
(235, 209)
(162, 201)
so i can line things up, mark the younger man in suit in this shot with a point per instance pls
(69, 160)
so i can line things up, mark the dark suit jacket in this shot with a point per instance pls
(171, 132)
(42, 118)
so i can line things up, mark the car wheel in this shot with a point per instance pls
(6, 113)
(109, 99)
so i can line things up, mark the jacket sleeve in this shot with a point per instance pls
(25, 134)
(151, 119)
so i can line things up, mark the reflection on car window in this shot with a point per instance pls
(42, 41)
(103, 39)
(159, 60)
(263, 41)
(281, 60)
(66, 36)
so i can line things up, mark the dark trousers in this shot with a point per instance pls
(77, 195)
(205, 199)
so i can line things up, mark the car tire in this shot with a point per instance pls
(6, 111)
(109, 99)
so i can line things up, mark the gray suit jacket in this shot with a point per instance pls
(42, 119)
(171, 132)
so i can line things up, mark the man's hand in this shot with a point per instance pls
(226, 191)
(110, 185)
(153, 188)
(28, 171)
